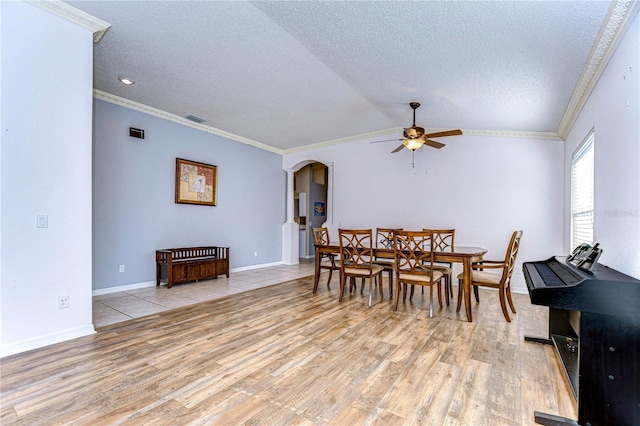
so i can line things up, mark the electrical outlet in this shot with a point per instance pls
(63, 302)
(121, 268)
(518, 269)
(255, 254)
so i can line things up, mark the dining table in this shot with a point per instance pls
(465, 255)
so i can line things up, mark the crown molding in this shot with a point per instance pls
(97, 26)
(386, 132)
(398, 130)
(107, 97)
(513, 134)
(620, 16)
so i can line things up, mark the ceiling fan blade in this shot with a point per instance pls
(433, 144)
(387, 140)
(398, 149)
(443, 134)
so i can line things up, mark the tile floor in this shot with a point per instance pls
(125, 305)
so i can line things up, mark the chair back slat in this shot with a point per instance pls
(320, 236)
(355, 247)
(443, 239)
(414, 252)
(510, 257)
(384, 237)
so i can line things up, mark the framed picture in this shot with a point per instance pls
(196, 182)
(318, 209)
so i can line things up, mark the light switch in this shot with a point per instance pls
(42, 221)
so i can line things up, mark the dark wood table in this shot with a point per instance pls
(465, 255)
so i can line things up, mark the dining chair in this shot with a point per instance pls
(384, 239)
(501, 280)
(414, 264)
(328, 261)
(443, 242)
(356, 255)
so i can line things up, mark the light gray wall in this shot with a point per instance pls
(613, 111)
(134, 196)
(46, 170)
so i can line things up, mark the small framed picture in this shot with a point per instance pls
(196, 182)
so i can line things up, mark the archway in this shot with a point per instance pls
(294, 234)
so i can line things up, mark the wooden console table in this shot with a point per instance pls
(191, 264)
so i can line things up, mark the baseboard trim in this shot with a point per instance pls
(127, 287)
(146, 284)
(46, 340)
(263, 265)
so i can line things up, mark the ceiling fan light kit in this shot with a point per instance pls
(415, 137)
(413, 144)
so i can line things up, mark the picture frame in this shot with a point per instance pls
(319, 208)
(196, 183)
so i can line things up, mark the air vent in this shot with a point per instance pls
(194, 118)
(136, 133)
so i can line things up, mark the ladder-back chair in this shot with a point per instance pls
(414, 264)
(501, 281)
(384, 239)
(356, 255)
(327, 260)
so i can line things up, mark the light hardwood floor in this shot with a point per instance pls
(281, 355)
(113, 308)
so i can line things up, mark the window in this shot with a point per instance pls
(582, 193)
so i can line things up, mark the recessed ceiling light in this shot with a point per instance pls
(125, 80)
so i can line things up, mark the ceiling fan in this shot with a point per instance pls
(415, 137)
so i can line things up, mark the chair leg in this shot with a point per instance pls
(508, 291)
(397, 294)
(460, 288)
(411, 296)
(448, 287)
(439, 294)
(391, 283)
(342, 282)
(330, 275)
(446, 291)
(475, 293)
(430, 301)
(503, 305)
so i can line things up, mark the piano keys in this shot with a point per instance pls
(594, 325)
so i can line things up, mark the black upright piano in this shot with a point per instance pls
(594, 325)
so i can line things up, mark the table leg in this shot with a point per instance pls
(316, 276)
(467, 287)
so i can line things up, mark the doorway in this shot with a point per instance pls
(310, 204)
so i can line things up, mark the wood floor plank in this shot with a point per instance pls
(283, 355)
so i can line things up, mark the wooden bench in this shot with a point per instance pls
(191, 264)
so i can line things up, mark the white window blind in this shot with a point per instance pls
(582, 193)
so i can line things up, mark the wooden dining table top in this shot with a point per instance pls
(459, 251)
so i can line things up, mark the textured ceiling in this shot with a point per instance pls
(292, 74)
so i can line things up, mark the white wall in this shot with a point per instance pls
(46, 170)
(484, 187)
(612, 110)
